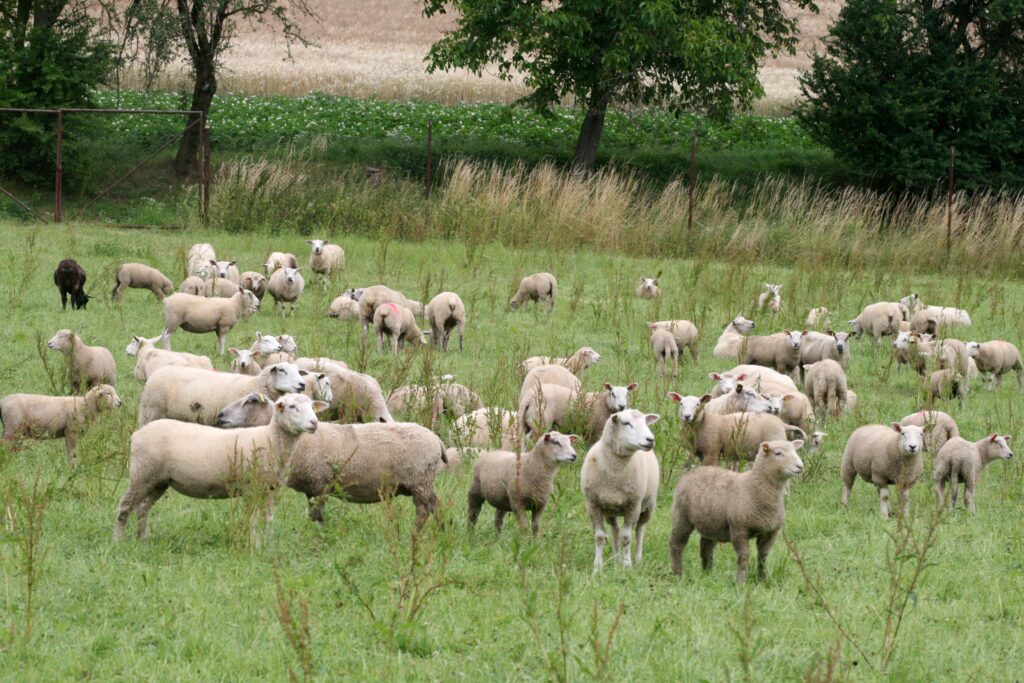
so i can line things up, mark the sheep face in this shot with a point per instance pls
(133, 348)
(902, 341)
(221, 267)
(103, 397)
(779, 459)
(911, 440)
(773, 290)
(998, 447)
(742, 325)
(774, 403)
(559, 447)
(754, 402)
(321, 385)
(250, 303)
(617, 398)
(590, 357)
(631, 431)
(254, 281)
(817, 439)
(295, 413)
(250, 410)
(288, 344)
(291, 275)
(266, 344)
(649, 284)
(795, 338)
(910, 301)
(243, 358)
(726, 381)
(690, 407)
(354, 293)
(318, 246)
(285, 379)
(858, 329)
(63, 341)
(842, 340)
(973, 349)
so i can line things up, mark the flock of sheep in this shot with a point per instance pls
(320, 428)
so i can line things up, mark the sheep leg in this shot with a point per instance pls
(129, 501)
(969, 496)
(905, 500)
(741, 544)
(954, 484)
(597, 523)
(499, 520)
(675, 365)
(462, 330)
(394, 344)
(764, 546)
(425, 503)
(63, 299)
(707, 553)
(1020, 377)
(380, 341)
(71, 445)
(221, 334)
(535, 521)
(641, 524)
(476, 501)
(883, 497)
(165, 338)
(629, 522)
(677, 541)
(940, 493)
(142, 511)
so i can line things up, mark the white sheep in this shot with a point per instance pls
(793, 408)
(648, 288)
(583, 358)
(879, 320)
(198, 260)
(770, 298)
(620, 478)
(266, 347)
(947, 384)
(941, 427)
(199, 315)
(344, 307)
(996, 358)
(961, 460)
(279, 259)
(779, 351)
(825, 384)
(254, 282)
(372, 298)
(819, 317)
(444, 312)
(732, 339)
(742, 399)
(664, 347)
(286, 285)
(140, 276)
(817, 346)
(226, 270)
(325, 259)
(684, 331)
(944, 315)
(539, 287)
(244, 363)
(87, 366)
(884, 455)
(357, 397)
(255, 409)
(399, 324)
(758, 377)
(206, 462)
(149, 359)
(485, 426)
(196, 286)
(53, 417)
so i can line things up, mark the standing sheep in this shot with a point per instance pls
(942, 314)
(664, 348)
(87, 366)
(53, 417)
(684, 331)
(200, 315)
(884, 455)
(325, 259)
(374, 297)
(996, 358)
(879, 320)
(357, 397)
(779, 351)
(648, 288)
(286, 285)
(960, 460)
(70, 279)
(198, 260)
(279, 259)
(947, 384)
(254, 282)
(139, 276)
(817, 346)
(399, 324)
(826, 386)
(730, 507)
(149, 359)
(485, 426)
(226, 270)
(540, 287)
(731, 341)
(444, 312)
(819, 317)
(941, 427)
(770, 298)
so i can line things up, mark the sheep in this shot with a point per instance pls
(851, 401)
(819, 317)
(325, 259)
(206, 462)
(770, 298)
(648, 288)
(549, 374)
(87, 366)
(372, 298)
(139, 276)
(961, 460)
(620, 478)
(256, 409)
(70, 279)
(601, 405)
(344, 307)
(994, 359)
(457, 399)
(368, 463)
(417, 402)
(817, 346)
(742, 399)
(254, 282)
(548, 406)
(265, 347)
(757, 376)
(925, 321)
(200, 315)
(286, 285)
(398, 323)
(278, 259)
(731, 507)
(515, 483)
(357, 397)
(664, 348)
(684, 331)
(320, 364)
(913, 349)
(779, 351)
(555, 406)
(879, 320)
(198, 260)
(792, 407)
(825, 384)
(226, 270)
(444, 312)
(731, 340)
(884, 455)
(942, 427)
(944, 315)
(149, 359)
(54, 417)
(485, 426)
(419, 311)
(539, 287)
(194, 395)
(817, 439)
(947, 384)
(196, 286)
(736, 436)
(952, 353)
(244, 363)
(579, 361)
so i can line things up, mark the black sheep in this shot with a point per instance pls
(70, 278)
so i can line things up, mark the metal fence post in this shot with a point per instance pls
(59, 170)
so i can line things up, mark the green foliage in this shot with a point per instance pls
(902, 80)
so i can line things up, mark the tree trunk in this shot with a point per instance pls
(202, 96)
(590, 133)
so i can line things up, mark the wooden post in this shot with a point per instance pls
(430, 144)
(693, 180)
(58, 206)
(949, 202)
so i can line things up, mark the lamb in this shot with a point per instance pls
(601, 405)
(960, 459)
(206, 462)
(817, 346)
(483, 427)
(221, 287)
(579, 361)
(254, 282)
(54, 417)
(226, 270)
(736, 436)
(879, 320)
(947, 384)
(511, 482)
(731, 341)
(885, 455)
(996, 358)
(244, 363)
(398, 323)
(944, 315)
(781, 352)
(539, 287)
(149, 359)
(826, 386)
(374, 297)
(664, 348)
(730, 507)
(942, 427)
(87, 366)
(286, 285)
(198, 260)
(70, 279)
(793, 408)
(368, 463)
(444, 312)
(620, 478)
(344, 307)
(139, 276)
(648, 288)
(684, 331)
(819, 317)
(194, 395)
(548, 406)
(325, 259)
(357, 397)
(278, 259)
(200, 315)
(770, 298)
(549, 374)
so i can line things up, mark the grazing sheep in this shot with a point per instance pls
(325, 259)
(817, 439)
(194, 395)
(879, 320)
(996, 358)
(368, 463)
(548, 406)
(942, 427)
(286, 285)
(344, 307)
(515, 483)
(961, 460)
(399, 324)
(374, 297)
(763, 378)
(579, 361)
(254, 282)
(149, 359)
(485, 426)
(648, 288)
(952, 353)
(244, 363)
(200, 315)
(884, 455)
(320, 364)
(730, 343)
(278, 259)
(825, 384)
(206, 462)
(87, 366)
(779, 351)
(53, 417)
(226, 270)
(70, 279)
(770, 298)
(730, 507)
(684, 331)
(943, 315)
(444, 312)
(457, 399)
(357, 397)
(819, 318)
(139, 276)
(817, 346)
(948, 384)
(664, 348)
(540, 287)
(198, 261)
(620, 478)
(735, 436)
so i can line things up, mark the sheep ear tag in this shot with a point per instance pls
(280, 407)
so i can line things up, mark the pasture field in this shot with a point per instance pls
(354, 600)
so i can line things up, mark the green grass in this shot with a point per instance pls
(194, 602)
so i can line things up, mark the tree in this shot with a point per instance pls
(902, 80)
(682, 53)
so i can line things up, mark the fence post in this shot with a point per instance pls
(58, 179)
(949, 202)
(693, 180)
(430, 144)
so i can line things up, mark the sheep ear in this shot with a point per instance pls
(651, 418)
(615, 418)
(320, 406)
(1007, 437)
(309, 241)
(741, 377)
(303, 372)
(631, 386)
(739, 387)
(788, 397)
(212, 262)
(798, 444)
(765, 447)
(804, 333)
(828, 332)
(233, 351)
(652, 325)
(674, 396)
(714, 376)
(705, 398)
(807, 366)
(231, 263)
(280, 407)
(607, 386)
(548, 438)
(896, 426)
